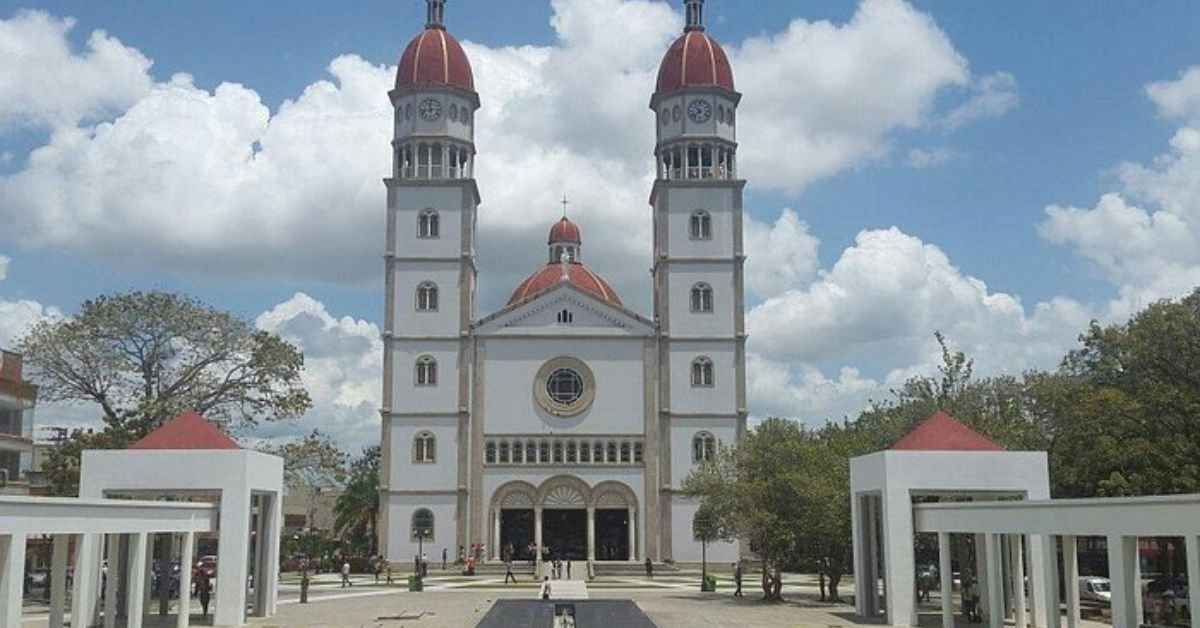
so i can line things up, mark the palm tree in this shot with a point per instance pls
(357, 508)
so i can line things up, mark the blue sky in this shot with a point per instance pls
(1072, 77)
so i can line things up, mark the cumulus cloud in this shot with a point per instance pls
(779, 256)
(991, 97)
(46, 83)
(16, 317)
(1145, 237)
(343, 370)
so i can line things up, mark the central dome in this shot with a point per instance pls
(563, 265)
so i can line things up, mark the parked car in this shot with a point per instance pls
(208, 564)
(1095, 589)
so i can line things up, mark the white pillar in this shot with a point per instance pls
(87, 581)
(58, 580)
(497, 554)
(591, 533)
(112, 579)
(1049, 582)
(233, 550)
(183, 618)
(981, 574)
(164, 582)
(995, 580)
(135, 599)
(1193, 571)
(899, 559)
(1016, 544)
(1122, 573)
(1070, 555)
(148, 576)
(633, 555)
(537, 541)
(12, 578)
(945, 572)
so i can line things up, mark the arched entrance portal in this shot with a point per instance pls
(566, 518)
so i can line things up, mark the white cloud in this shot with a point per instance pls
(45, 83)
(991, 97)
(878, 307)
(833, 93)
(16, 317)
(343, 370)
(779, 256)
(1145, 237)
(4, 267)
(921, 158)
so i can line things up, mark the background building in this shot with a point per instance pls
(17, 400)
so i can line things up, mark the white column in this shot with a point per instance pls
(232, 546)
(899, 561)
(981, 573)
(87, 580)
(112, 579)
(1070, 556)
(1193, 571)
(1122, 572)
(633, 555)
(164, 582)
(148, 577)
(858, 543)
(537, 541)
(183, 618)
(945, 572)
(497, 554)
(995, 580)
(1016, 544)
(58, 580)
(1049, 581)
(871, 533)
(135, 597)
(591, 533)
(12, 578)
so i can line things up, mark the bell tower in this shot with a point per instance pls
(697, 271)
(432, 202)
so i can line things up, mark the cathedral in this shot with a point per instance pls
(565, 420)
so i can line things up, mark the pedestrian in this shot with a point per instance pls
(444, 554)
(568, 569)
(462, 557)
(737, 579)
(346, 575)
(424, 565)
(387, 566)
(508, 572)
(649, 568)
(377, 564)
(204, 588)
(546, 588)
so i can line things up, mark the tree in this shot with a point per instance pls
(708, 525)
(357, 509)
(143, 357)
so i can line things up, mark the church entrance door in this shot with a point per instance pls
(564, 533)
(516, 532)
(612, 534)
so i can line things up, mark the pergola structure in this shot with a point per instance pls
(1015, 524)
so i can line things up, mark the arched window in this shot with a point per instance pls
(424, 448)
(704, 447)
(426, 371)
(489, 453)
(504, 452)
(558, 451)
(637, 453)
(531, 454)
(625, 451)
(428, 224)
(612, 451)
(700, 225)
(543, 452)
(702, 372)
(427, 297)
(422, 524)
(598, 452)
(702, 298)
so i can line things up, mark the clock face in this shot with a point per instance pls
(431, 109)
(699, 111)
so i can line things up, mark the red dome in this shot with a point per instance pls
(435, 58)
(564, 231)
(694, 60)
(549, 276)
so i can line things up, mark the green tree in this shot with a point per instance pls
(357, 509)
(142, 357)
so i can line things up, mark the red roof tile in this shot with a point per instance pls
(551, 274)
(942, 432)
(186, 431)
(434, 57)
(695, 59)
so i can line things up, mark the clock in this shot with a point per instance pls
(430, 109)
(699, 111)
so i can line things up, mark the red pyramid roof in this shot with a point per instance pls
(186, 431)
(942, 432)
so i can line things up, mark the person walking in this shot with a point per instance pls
(649, 568)
(346, 575)
(737, 579)
(508, 572)
(387, 567)
(204, 588)
(545, 593)
(444, 555)
(568, 569)
(377, 567)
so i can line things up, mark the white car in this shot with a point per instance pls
(1095, 589)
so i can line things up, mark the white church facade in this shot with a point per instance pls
(564, 420)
